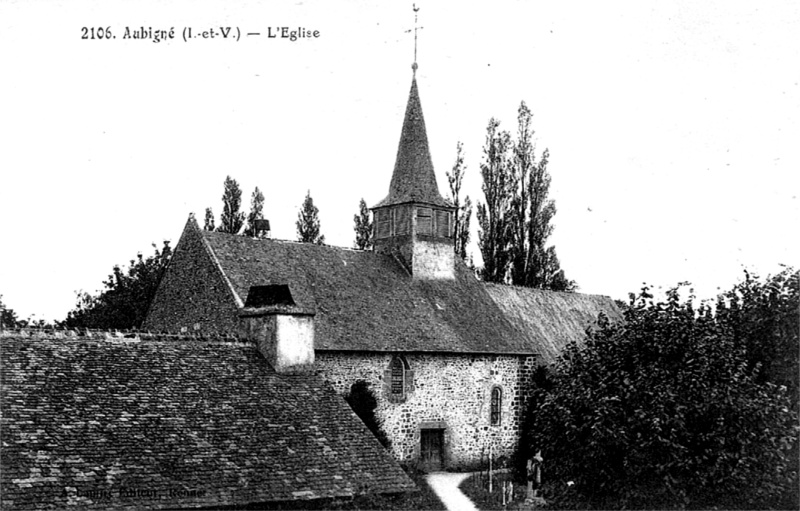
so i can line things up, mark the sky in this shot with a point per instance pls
(673, 127)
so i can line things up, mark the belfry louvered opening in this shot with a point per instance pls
(424, 221)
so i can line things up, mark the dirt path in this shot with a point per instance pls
(445, 484)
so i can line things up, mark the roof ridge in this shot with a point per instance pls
(288, 242)
(132, 334)
(536, 289)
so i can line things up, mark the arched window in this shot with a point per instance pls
(398, 380)
(496, 406)
(398, 377)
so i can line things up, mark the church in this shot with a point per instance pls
(448, 357)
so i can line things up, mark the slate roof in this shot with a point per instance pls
(413, 179)
(550, 320)
(163, 422)
(367, 301)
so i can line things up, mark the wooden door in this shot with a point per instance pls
(432, 449)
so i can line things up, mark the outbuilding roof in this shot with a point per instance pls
(163, 422)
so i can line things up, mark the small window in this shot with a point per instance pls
(497, 405)
(424, 221)
(398, 379)
(443, 224)
(382, 224)
(402, 221)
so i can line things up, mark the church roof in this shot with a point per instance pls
(367, 301)
(413, 179)
(104, 421)
(549, 320)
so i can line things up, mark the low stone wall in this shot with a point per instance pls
(451, 392)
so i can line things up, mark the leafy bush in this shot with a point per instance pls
(363, 402)
(763, 319)
(665, 410)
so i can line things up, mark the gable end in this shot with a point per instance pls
(194, 294)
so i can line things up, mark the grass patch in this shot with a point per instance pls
(476, 487)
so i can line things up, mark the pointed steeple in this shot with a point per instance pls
(413, 179)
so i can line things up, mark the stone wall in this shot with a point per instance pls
(434, 259)
(450, 391)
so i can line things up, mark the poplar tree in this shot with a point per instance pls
(463, 213)
(209, 220)
(362, 225)
(256, 212)
(232, 219)
(515, 222)
(494, 229)
(308, 228)
(534, 264)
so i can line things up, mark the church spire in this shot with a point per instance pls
(413, 179)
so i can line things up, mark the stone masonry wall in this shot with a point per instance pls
(434, 260)
(449, 390)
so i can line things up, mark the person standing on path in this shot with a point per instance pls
(534, 473)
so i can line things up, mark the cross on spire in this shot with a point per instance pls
(414, 66)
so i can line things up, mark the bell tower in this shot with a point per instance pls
(414, 222)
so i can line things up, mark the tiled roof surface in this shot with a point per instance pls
(413, 179)
(549, 320)
(367, 301)
(165, 422)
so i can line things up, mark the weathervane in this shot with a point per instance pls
(416, 10)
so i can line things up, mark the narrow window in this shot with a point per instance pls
(443, 224)
(402, 221)
(397, 376)
(382, 224)
(497, 404)
(424, 221)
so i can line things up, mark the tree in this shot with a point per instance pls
(515, 222)
(494, 232)
(362, 225)
(663, 411)
(8, 317)
(124, 302)
(463, 213)
(232, 219)
(308, 228)
(362, 400)
(533, 263)
(209, 221)
(256, 212)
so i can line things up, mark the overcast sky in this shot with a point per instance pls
(673, 127)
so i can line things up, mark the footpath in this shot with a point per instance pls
(445, 485)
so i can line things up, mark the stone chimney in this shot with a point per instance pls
(283, 331)
(262, 229)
